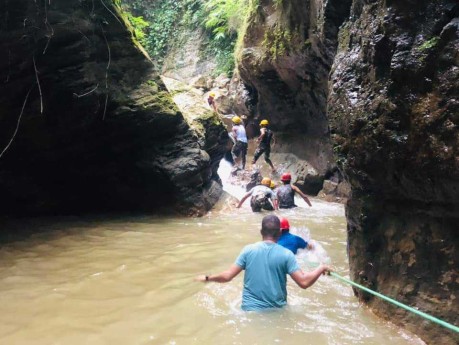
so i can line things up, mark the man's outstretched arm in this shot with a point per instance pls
(307, 279)
(244, 198)
(305, 198)
(223, 277)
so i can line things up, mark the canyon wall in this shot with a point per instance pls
(379, 82)
(86, 125)
(394, 116)
(284, 62)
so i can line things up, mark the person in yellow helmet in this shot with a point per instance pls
(263, 197)
(240, 141)
(211, 101)
(264, 144)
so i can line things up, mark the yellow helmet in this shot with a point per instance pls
(272, 185)
(236, 120)
(264, 123)
(212, 94)
(266, 181)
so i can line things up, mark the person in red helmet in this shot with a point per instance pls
(286, 193)
(290, 241)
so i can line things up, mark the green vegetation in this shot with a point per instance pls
(429, 44)
(156, 23)
(138, 25)
(278, 42)
(224, 17)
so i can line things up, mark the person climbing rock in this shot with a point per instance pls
(211, 101)
(266, 266)
(264, 144)
(286, 193)
(240, 141)
(290, 241)
(263, 198)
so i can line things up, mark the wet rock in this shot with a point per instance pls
(255, 179)
(212, 135)
(96, 128)
(284, 64)
(222, 81)
(199, 82)
(393, 118)
(329, 187)
(187, 58)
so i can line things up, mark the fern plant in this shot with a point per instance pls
(224, 17)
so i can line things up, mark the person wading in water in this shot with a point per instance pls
(290, 241)
(263, 197)
(264, 144)
(266, 266)
(286, 193)
(240, 141)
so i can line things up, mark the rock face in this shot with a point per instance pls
(187, 59)
(384, 76)
(394, 112)
(91, 126)
(285, 60)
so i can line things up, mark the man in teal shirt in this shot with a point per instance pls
(266, 266)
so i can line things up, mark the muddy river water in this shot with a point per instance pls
(129, 280)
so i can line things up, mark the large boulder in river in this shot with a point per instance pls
(85, 122)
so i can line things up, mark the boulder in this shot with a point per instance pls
(222, 81)
(86, 125)
(199, 82)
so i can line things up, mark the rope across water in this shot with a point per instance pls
(397, 303)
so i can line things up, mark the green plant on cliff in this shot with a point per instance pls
(224, 17)
(139, 25)
(278, 42)
(154, 23)
(432, 43)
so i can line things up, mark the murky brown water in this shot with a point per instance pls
(130, 281)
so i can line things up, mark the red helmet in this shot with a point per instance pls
(286, 177)
(284, 224)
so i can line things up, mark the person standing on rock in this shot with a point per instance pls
(211, 101)
(240, 141)
(263, 198)
(264, 144)
(266, 266)
(290, 241)
(286, 193)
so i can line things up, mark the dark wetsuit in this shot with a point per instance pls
(264, 147)
(260, 198)
(285, 195)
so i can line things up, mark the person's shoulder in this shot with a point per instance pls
(284, 251)
(252, 245)
(259, 187)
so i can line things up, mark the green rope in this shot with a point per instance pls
(401, 305)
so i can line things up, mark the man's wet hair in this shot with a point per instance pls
(270, 226)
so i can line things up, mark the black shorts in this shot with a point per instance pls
(238, 149)
(259, 151)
